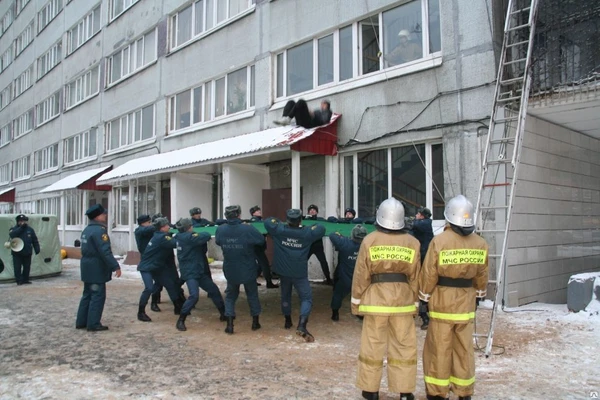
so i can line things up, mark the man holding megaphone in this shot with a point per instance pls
(23, 239)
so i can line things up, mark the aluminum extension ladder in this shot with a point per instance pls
(502, 151)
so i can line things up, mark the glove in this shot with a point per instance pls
(332, 219)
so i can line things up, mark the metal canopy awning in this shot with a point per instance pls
(320, 140)
(7, 195)
(85, 180)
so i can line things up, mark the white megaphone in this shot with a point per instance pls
(15, 244)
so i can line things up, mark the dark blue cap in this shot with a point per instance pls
(95, 211)
(293, 215)
(143, 218)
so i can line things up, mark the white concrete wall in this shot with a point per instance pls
(555, 229)
(243, 185)
(190, 190)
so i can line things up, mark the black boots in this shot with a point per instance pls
(335, 315)
(425, 319)
(154, 302)
(222, 316)
(430, 397)
(370, 395)
(288, 322)
(181, 323)
(271, 285)
(142, 316)
(255, 324)
(464, 397)
(407, 396)
(302, 331)
(177, 306)
(229, 328)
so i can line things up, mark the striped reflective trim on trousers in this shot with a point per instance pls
(401, 363)
(370, 361)
(451, 316)
(387, 309)
(446, 382)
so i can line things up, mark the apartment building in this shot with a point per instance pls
(157, 106)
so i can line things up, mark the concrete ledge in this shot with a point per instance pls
(580, 290)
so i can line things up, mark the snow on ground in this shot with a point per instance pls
(547, 352)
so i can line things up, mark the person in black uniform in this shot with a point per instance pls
(238, 241)
(22, 259)
(317, 247)
(154, 267)
(191, 265)
(348, 250)
(199, 222)
(349, 217)
(143, 234)
(292, 246)
(262, 261)
(97, 265)
(422, 230)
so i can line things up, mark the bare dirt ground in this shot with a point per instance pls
(547, 354)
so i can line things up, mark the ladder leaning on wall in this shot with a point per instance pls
(502, 151)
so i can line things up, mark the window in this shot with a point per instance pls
(203, 15)
(84, 30)
(25, 207)
(47, 109)
(145, 200)
(49, 206)
(122, 204)
(118, 7)
(227, 95)
(46, 159)
(130, 128)
(74, 208)
(5, 135)
(6, 208)
(21, 168)
(5, 173)
(20, 5)
(394, 37)
(132, 58)
(5, 96)
(400, 172)
(24, 39)
(23, 82)
(80, 147)
(82, 88)
(49, 60)
(48, 13)
(23, 124)
(6, 59)
(7, 20)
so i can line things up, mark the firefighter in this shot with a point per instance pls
(342, 278)
(143, 234)
(455, 272)
(238, 240)
(384, 291)
(290, 260)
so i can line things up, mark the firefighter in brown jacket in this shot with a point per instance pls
(384, 291)
(454, 273)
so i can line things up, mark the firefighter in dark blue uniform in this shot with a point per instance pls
(143, 234)
(292, 246)
(348, 250)
(316, 247)
(97, 265)
(422, 230)
(191, 266)
(262, 261)
(154, 267)
(199, 222)
(238, 240)
(22, 259)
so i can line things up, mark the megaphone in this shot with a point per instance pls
(15, 244)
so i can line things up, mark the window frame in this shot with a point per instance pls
(6, 93)
(7, 172)
(20, 6)
(111, 8)
(24, 39)
(53, 54)
(280, 74)
(132, 51)
(79, 148)
(73, 214)
(24, 168)
(22, 120)
(48, 154)
(8, 15)
(354, 201)
(5, 134)
(8, 54)
(82, 83)
(131, 126)
(209, 89)
(81, 30)
(22, 87)
(52, 9)
(42, 108)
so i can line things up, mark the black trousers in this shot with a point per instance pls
(22, 265)
(263, 263)
(318, 250)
